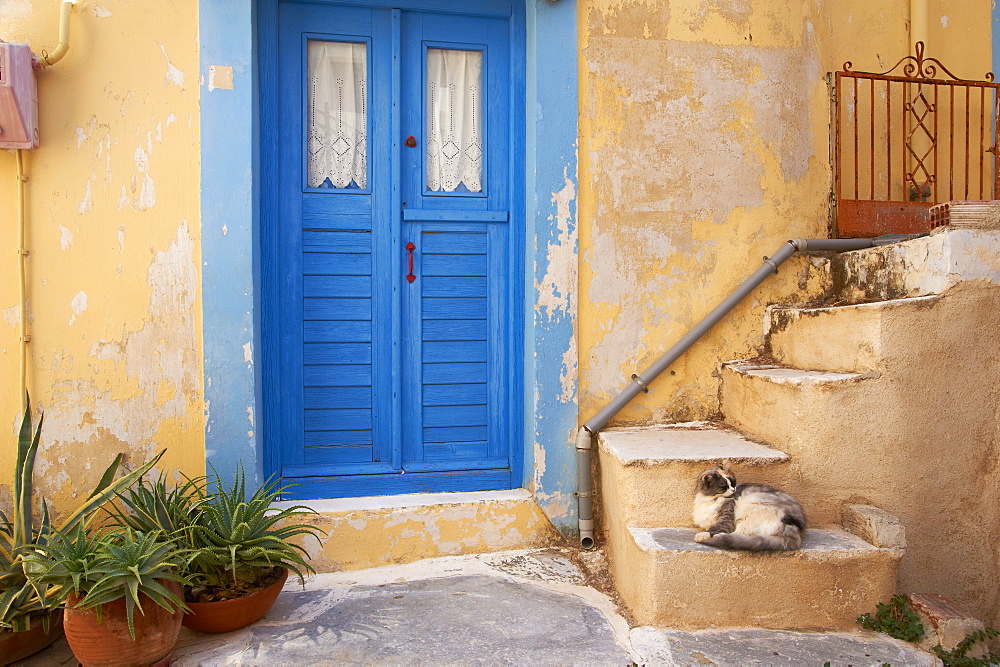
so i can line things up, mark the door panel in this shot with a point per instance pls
(391, 379)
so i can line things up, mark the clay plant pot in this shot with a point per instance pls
(109, 642)
(229, 615)
(16, 646)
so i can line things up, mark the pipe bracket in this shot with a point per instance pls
(768, 260)
(583, 494)
(639, 381)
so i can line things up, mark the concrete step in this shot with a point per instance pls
(390, 530)
(790, 407)
(858, 337)
(648, 473)
(669, 580)
(919, 267)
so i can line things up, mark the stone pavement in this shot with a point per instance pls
(515, 607)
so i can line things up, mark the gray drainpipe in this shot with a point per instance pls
(640, 383)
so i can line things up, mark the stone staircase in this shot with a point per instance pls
(666, 579)
(842, 407)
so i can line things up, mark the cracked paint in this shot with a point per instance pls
(78, 304)
(556, 290)
(65, 236)
(220, 77)
(147, 194)
(173, 76)
(87, 204)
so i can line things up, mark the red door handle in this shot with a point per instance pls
(410, 248)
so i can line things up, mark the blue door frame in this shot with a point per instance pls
(406, 431)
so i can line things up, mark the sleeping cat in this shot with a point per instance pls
(749, 517)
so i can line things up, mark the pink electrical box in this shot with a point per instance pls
(18, 97)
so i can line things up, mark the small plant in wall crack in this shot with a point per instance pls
(896, 619)
(958, 657)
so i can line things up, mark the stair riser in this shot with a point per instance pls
(929, 265)
(663, 494)
(777, 591)
(784, 414)
(847, 338)
(811, 424)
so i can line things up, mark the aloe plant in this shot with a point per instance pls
(108, 566)
(158, 505)
(239, 537)
(20, 535)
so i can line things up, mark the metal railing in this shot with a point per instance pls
(905, 140)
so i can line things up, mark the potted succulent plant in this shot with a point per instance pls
(241, 548)
(29, 619)
(102, 579)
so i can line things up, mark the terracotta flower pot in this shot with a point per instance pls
(229, 615)
(109, 642)
(16, 646)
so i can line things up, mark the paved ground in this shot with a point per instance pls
(520, 607)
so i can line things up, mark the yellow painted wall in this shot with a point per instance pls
(113, 233)
(704, 145)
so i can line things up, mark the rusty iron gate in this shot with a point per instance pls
(905, 140)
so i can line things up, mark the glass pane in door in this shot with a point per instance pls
(454, 120)
(338, 115)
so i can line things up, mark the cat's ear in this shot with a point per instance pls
(726, 467)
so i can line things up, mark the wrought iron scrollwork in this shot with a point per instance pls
(916, 66)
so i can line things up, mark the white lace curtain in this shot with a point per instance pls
(338, 115)
(454, 120)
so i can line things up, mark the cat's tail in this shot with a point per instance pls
(789, 540)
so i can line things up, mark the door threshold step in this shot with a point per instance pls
(374, 531)
(408, 500)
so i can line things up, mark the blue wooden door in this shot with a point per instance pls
(391, 366)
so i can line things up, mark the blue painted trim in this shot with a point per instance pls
(227, 232)
(517, 349)
(550, 415)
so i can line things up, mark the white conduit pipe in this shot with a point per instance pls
(640, 383)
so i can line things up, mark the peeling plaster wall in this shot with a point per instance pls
(704, 145)
(113, 232)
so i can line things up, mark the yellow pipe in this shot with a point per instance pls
(919, 11)
(22, 283)
(63, 46)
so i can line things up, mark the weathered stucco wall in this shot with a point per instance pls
(113, 234)
(705, 145)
